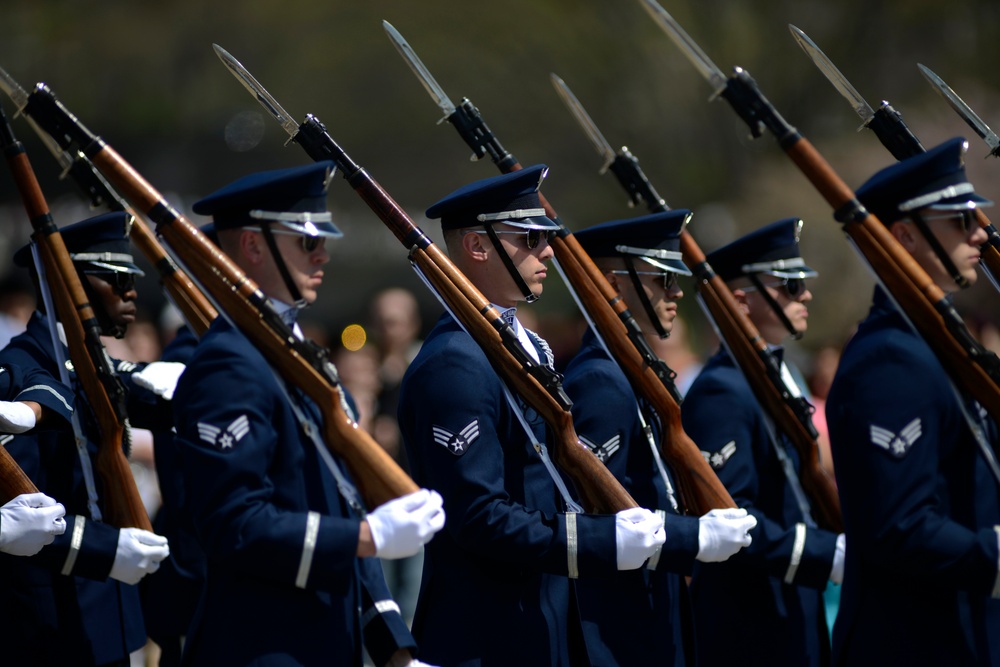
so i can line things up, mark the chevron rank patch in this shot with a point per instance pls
(897, 444)
(456, 443)
(603, 452)
(719, 458)
(224, 438)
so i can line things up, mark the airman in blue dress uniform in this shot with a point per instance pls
(76, 601)
(642, 617)
(920, 506)
(289, 578)
(498, 583)
(764, 605)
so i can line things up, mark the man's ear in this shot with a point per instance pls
(741, 299)
(905, 234)
(474, 246)
(252, 246)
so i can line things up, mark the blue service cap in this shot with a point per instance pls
(294, 198)
(772, 249)
(654, 238)
(100, 243)
(934, 179)
(511, 199)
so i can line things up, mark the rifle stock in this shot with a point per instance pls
(123, 506)
(197, 309)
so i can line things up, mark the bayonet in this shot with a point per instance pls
(963, 110)
(831, 72)
(583, 118)
(688, 46)
(622, 164)
(430, 84)
(287, 122)
(886, 123)
(465, 117)
(14, 90)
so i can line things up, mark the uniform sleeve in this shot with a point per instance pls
(606, 416)
(449, 414)
(382, 624)
(722, 416)
(34, 384)
(225, 407)
(87, 549)
(892, 425)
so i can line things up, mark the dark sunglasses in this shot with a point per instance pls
(965, 219)
(120, 281)
(307, 243)
(669, 278)
(793, 286)
(532, 237)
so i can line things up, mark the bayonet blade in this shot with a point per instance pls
(963, 109)
(675, 32)
(14, 90)
(583, 118)
(410, 56)
(830, 71)
(258, 91)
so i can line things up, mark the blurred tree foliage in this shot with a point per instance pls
(144, 76)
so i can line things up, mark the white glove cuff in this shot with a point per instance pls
(16, 417)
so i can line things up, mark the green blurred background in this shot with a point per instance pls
(144, 77)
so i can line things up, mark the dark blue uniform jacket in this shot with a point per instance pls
(764, 605)
(283, 584)
(920, 509)
(495, 587)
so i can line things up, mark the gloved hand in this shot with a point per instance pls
(638, 534)
(837, 571)
(15, 417)
(160, 377)
(29, 522)
(403, 525)
(721, 533)
(139, 553)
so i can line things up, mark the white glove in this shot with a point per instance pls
(139, 553)
(638, 534)
(417, 663)
(721, 533)
(160, 377)
(403, 525)
(16, 417)
(837, 571)
(29, 522)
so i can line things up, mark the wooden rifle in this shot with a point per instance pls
(698, 485)
(104, 390)
(301, 363)
(197, 310)
(973, 368)
(599, 491)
